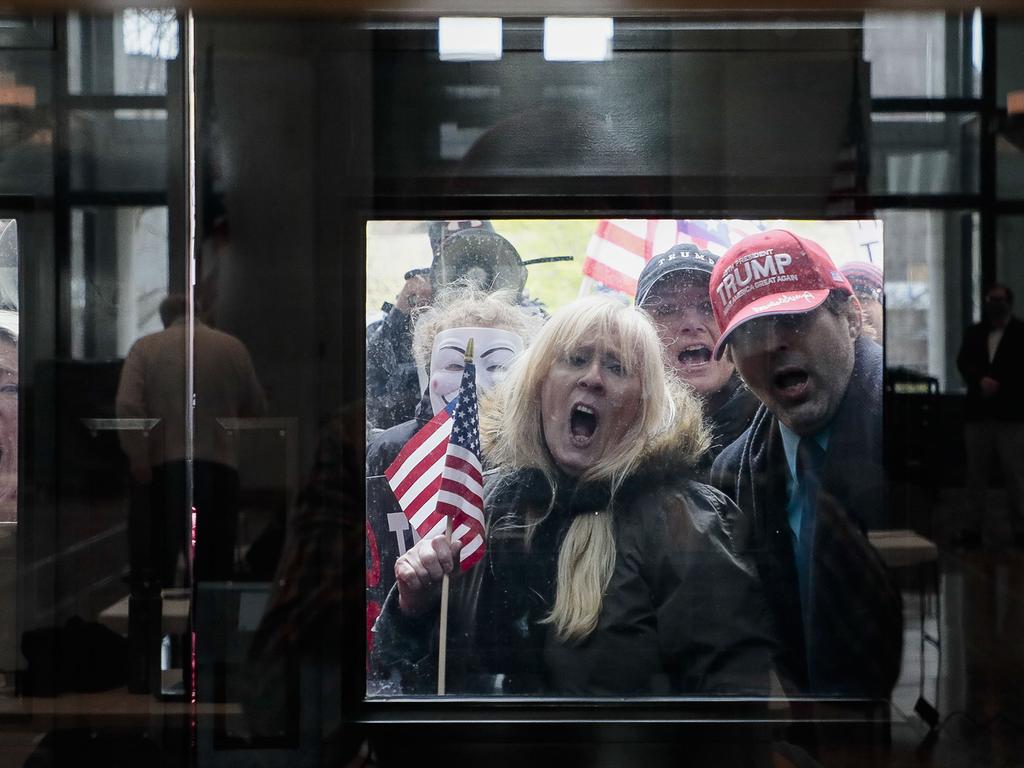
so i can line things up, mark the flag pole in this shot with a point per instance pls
(442, 643)
(442, 637)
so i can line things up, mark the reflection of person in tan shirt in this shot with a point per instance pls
(152, 385)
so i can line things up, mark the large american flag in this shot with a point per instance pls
(438, 474)
(619, 248)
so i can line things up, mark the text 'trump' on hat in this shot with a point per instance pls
(770, 273)
(684, 257)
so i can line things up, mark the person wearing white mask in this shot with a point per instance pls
(500, 330)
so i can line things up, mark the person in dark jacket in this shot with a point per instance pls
(501, 329)
(608, 569)
(673, 290)
(991, 360)
(808, 474)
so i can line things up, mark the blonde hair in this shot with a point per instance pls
(512, 434)
(461, 306)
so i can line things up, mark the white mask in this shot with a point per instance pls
(493, 351)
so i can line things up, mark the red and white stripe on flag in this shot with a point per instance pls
(432, 477)
(618, 250)
(415, 474)
(461, 496)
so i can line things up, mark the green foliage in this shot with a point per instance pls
(393, 247)
(558, 283)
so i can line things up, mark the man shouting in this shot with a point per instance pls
(807, 473)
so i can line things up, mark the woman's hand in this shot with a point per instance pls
(420, 570)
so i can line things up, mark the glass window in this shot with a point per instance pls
(120, 150)
(1010, 255)
(9, 375)
(1009, 171)
(119, 276)
(930, 55)
(476, 120)
(924, 153)
(26, 31)
(123, 55)
(1009, 66)
(932, 266)
(494, 424)
(26, 127)
(346, 174)
(11, 354)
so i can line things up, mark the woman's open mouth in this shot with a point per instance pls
(695, 355)
(583, 421)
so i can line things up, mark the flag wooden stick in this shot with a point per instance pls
(442, 642)
(442, 634)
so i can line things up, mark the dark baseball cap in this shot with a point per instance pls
(684, 257)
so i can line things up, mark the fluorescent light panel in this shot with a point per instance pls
(578, 39)
(469, 39)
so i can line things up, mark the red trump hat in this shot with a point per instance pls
(770, 273)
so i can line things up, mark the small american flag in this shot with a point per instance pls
(438, 474)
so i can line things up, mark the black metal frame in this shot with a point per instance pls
(443, 720)
(644, 197)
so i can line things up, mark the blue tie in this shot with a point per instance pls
(809, 459)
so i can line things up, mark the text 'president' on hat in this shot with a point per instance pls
(770, 273)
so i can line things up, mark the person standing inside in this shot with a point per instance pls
(991, 361)
(152, 386)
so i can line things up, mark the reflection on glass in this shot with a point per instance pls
(120, 150)
(928, 55)
(925, 254)
(1010, 236)
(572, 39)
(153, 386)
(468, 39)
(9, 331)
(543, 492)
(119, 274)
(26, 130)
(1009, 170)
(125, 54)
(924, 153)
(1009, 44)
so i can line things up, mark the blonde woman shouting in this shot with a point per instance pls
(609, 570)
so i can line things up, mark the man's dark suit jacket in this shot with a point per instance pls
(1007, 368)
(852, 644)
